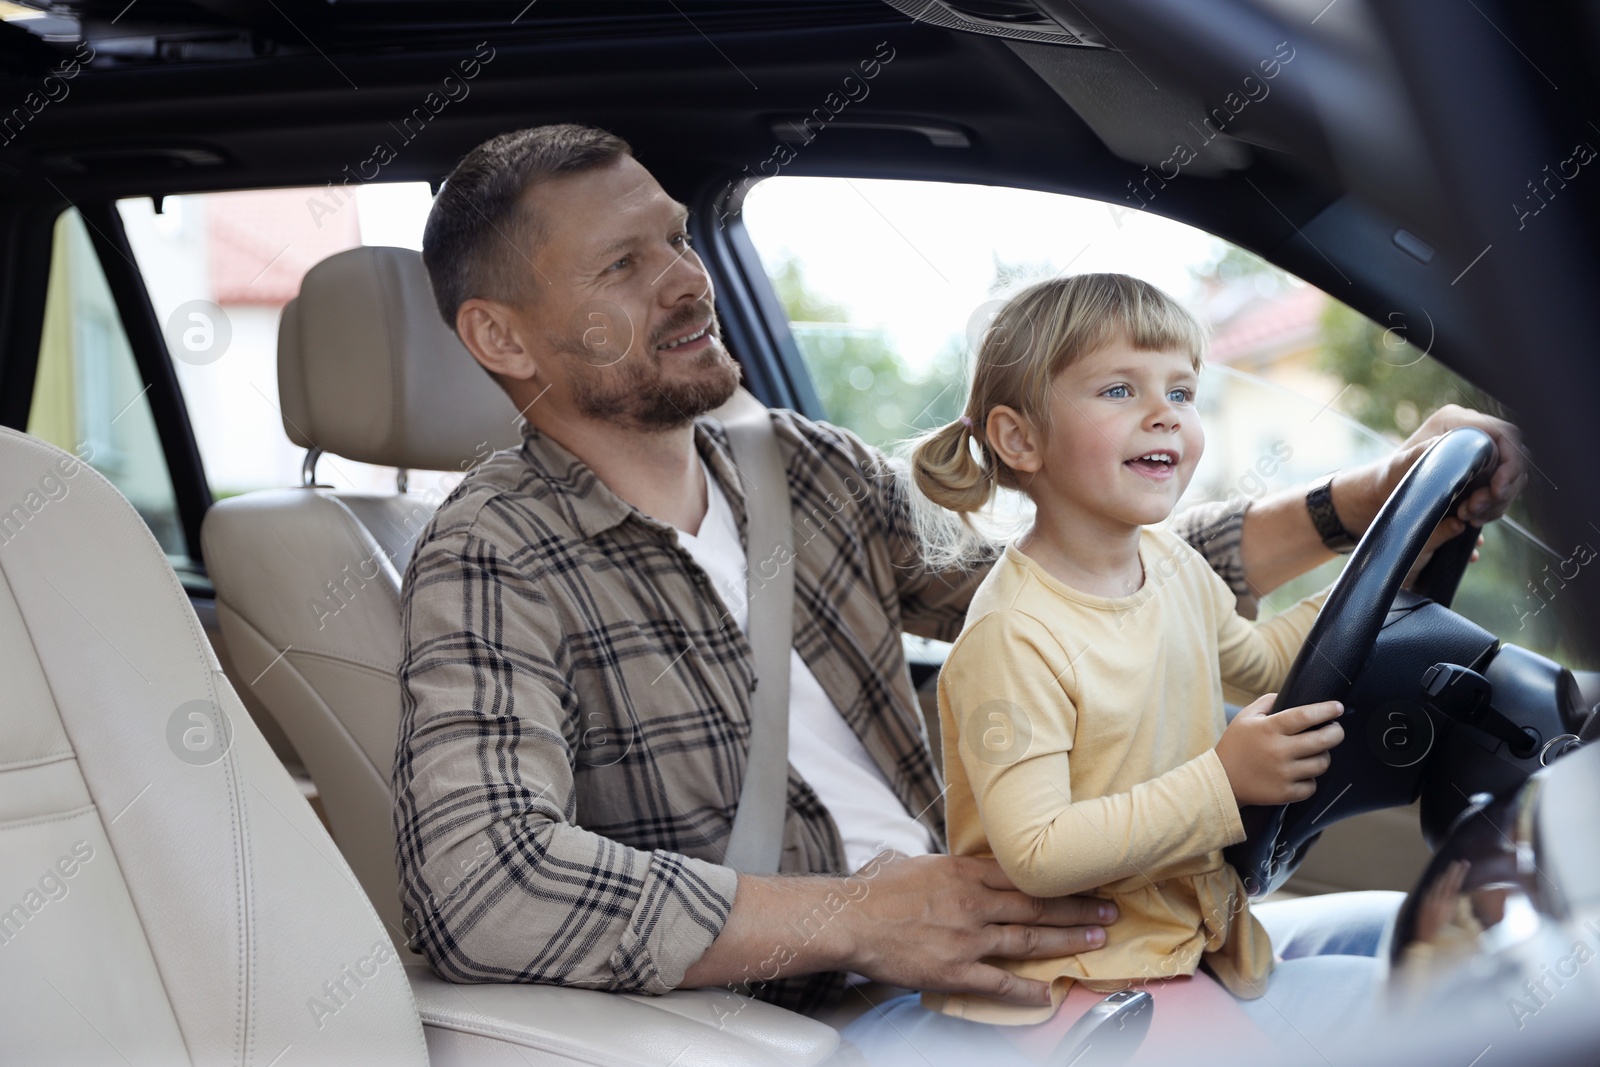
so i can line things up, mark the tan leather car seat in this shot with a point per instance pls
(308, 579)
(166, 894)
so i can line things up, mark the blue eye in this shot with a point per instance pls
(618, 263)
(1117, 392)
(1180, 396)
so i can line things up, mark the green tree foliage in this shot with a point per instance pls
(1393, 387)
(863, 383)
(1393, 384)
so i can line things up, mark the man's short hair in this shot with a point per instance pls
(479, 232)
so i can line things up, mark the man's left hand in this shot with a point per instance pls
(1510, 473)
(1359, 498)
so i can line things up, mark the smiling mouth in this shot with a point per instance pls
(1158, 464)
(689, 338)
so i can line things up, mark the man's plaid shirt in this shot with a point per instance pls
(576, 708)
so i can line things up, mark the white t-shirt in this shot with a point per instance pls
(822, 747)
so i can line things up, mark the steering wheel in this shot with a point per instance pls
(1380, 773)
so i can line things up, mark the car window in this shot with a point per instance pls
(889, 285)
(219, 268)
(88, 396)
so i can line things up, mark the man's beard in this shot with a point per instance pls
(630, 388)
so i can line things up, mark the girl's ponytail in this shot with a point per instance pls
(946, 471)
(951, 483)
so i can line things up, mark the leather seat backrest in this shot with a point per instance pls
(166, 894)
(308, 579)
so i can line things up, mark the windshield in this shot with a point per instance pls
(888, 283)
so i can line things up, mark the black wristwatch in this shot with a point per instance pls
(1320, 503)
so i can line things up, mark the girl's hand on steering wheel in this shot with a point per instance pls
(1276, 758)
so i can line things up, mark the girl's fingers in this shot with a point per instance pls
(1312, 742)
(1296, 720)
(1311, 767)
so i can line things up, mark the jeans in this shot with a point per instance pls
(1334, 951)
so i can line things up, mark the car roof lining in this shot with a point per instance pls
(690, 115)
(699, 113)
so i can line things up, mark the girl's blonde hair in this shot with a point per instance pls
(1039, 332)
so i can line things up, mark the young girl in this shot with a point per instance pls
(1085, 743)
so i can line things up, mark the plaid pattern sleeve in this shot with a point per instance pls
(1215, 530)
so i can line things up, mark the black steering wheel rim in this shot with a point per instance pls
(1347, 627)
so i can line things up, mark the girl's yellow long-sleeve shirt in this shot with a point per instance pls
(1080, 752)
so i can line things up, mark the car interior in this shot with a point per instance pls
(195, 812)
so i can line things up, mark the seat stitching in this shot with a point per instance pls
(201, 648)
(38, 761)
(236, 808)
(547, 1042)
(397, 372)
(365, 664)
(39, 820)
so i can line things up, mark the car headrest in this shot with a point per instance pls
(368, 371)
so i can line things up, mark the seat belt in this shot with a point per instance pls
(755, 843)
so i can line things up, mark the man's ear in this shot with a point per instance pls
(494, 334)
(1013, 439)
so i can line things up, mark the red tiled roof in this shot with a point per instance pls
(262, 242)
(1268, 325)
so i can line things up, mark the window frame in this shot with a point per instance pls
(24, 280)
(754, 325)
(27, 229)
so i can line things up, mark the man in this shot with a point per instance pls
(577, 687)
